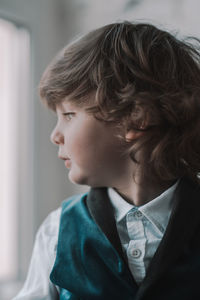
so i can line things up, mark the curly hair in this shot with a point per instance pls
(143, 78)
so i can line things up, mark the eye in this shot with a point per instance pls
(68, 115)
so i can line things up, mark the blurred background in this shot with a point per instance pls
(33, 181)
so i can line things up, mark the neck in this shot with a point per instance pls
(138, 192)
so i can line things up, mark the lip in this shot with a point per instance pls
(63, 157)
(68, 163)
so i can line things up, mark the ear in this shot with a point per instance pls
(131, 135)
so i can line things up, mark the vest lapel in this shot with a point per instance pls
(101, 210)
(87, 264)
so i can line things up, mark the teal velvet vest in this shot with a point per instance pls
(87, 265)
(90, 264)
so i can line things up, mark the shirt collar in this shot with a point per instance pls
(121, 206)
(157, 210)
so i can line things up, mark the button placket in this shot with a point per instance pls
(136, 253)
(135, 225)
(138, 215)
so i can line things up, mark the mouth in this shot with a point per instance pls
(63, 157)
(67, 163)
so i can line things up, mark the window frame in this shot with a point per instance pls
(25, 171)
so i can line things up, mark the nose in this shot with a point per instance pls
(56, 137)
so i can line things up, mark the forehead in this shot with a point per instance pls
(66, 105)
(69, 103)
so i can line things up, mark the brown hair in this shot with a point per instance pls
(143, 78)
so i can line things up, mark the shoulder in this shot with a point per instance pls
(72, 202)
(47, 235)
(48, 231)
(37, 283)
(50, 225)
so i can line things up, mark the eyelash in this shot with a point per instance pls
(68, 115)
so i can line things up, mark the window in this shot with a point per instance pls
(14, 93)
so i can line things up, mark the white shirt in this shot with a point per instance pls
(38, 285)
(140, 236)
(141, 228)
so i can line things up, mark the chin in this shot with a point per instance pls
(83, 179)
(77, 178)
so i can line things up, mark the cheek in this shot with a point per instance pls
(92, 145)
(95, 161)
(97, 153)
(78, 146)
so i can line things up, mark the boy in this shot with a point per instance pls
(127, 98)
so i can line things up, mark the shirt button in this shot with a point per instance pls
(136, 253)
(138, 214)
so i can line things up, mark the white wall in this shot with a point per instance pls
(47, 183)
(180, 15)
(49, 32)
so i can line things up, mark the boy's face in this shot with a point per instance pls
(92, 152)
